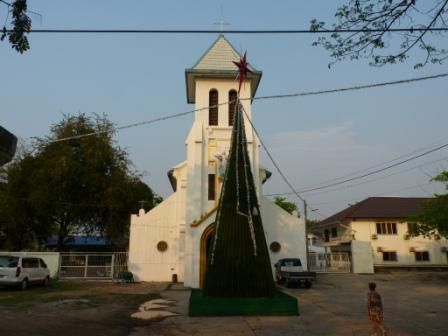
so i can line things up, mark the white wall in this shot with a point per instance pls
(362, 257)
(397, 242)
(50, 258)
(284, 228)
(146, 262)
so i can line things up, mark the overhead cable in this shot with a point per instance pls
(280, 96)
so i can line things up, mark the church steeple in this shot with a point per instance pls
(216, 62)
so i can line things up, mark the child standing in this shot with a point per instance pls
(375, 310)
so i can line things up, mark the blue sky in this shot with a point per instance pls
(133, 78)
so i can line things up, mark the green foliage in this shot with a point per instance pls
(432, 218)
(285, 205)
(374, 19)
(21, 26)
(83, 185)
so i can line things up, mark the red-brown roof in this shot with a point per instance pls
(378, 207)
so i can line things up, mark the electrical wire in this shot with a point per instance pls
(376, 165)
(282, 175)
(232, 31)
(281, 96)
(364, 182)
(375, 171)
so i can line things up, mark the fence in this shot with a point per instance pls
(79, 265)
(330, 262)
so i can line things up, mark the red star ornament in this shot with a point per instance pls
(243, 68)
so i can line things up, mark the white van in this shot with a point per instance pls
(21, 271)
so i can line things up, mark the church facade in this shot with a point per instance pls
(173, 239)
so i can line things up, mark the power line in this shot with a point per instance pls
(375, 166)
(364, 182)
(231, 31)
(351, 88)
(281, 96)
(282, 175)
(373, 172)
(368, 181)
(380, 178)
(270, 156)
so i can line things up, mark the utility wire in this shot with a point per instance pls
(232, 31)
(291, 95)
(364, 182)
(350, 88)
(380, 178)
(376, 165)
(368, 181)
(282, 175)
(373, 172)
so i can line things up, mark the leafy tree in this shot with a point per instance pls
(20, 224)
(374, 20)
(432, 218)
(21, 25)
(285, 205)
(79, 186)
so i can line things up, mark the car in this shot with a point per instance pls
(21, 271)
(290, 270)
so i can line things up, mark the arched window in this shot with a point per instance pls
(213, 107)
(232, 105)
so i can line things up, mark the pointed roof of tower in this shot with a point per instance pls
(217, 62)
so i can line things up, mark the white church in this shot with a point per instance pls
(173, 239)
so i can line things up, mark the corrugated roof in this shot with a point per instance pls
(219, 57)
(378, 207)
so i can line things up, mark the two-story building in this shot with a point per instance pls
(376, 235)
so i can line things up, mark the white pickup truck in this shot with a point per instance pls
(290, 270)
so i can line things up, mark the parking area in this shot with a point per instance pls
(415, 304)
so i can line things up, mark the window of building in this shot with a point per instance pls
(334, 232)
(211, 187)
(327, 235)
(421, 256)
(232, 106)
(390, 256)
(213, 107)
(386, 228)
(412, 229)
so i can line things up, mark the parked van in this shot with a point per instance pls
(22, 271)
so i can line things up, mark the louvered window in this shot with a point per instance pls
(232, 106)
(211, 187)
(213, 107)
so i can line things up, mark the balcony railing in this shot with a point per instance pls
(347, 237)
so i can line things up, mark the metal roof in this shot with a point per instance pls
(217, 62)
(378, 207)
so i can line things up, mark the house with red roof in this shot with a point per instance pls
(376, 235)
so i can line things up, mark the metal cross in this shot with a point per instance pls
(221, 22)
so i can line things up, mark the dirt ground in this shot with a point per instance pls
(71, 308)
(415, 304)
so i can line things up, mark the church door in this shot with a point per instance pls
(206, 242)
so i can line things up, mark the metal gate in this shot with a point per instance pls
(79, 265)
(330, 262)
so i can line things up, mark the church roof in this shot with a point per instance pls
(217, 61)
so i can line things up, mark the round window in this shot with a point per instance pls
(275, 246)
(162, 246)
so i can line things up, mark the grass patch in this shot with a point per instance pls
(12, 296)
(279, 304)
(67, 290)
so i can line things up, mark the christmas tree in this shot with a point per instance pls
(238, 264)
